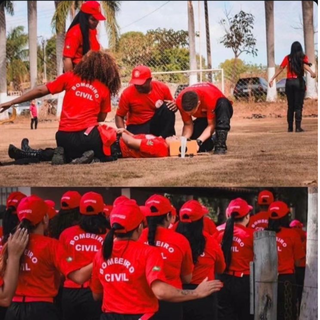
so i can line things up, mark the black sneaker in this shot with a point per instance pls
(86, 158)
(58, 157)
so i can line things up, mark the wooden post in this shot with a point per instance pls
(309, 303)
(265, 275)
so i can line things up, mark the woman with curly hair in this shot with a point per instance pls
(86, 103)
(296, 63)
(82, 34)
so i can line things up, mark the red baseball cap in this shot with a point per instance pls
(205, 210)
(121, 199)
(174, 211)
(93, 8)
(107, 210)
(32, 208)
(238, 206)
(52, 211)
(140, 75)
(91, 203)
(278, 210)
(128, 215)
(296, 224)
(265, 197)
(14, 199)
(191, 211)
(145, 211)
(70, 200)
(159, 205)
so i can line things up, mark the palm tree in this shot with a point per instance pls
(308, 30)
(60, 32)
(5, 6)
(192, 44)
(33, 43)
(269, 7)
(208, 39)
(110, 8)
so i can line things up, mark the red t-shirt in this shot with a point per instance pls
(211, 261)
(82, 102)
(1, 237)
(285, 63)
(209, 226)
(73, 44)
(208, 95)
(176, 253)
(140, 107)
(259, 221)
(242, 248)
(43, 260)
(33, 110)
(290, 248)
(125, 279)
(303, 237)
(80, 246)
(151, 147)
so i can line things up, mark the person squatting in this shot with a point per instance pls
(126, 261)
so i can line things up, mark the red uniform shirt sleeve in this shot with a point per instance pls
(154, 266)
(187, 265)
(95, 284)
(167, 92)
(298, 251)
(284, 62)
(156, 147)
(106, 103)
(123, 107)
(72, 42)
(59, 84)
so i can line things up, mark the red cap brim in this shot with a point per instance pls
(99, 17)
(138, 82)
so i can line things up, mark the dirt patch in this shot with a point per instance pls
(260, 153)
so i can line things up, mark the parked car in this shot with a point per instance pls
(254, 86)
(179, 89)
(281, 87)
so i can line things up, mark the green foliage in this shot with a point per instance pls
(238, 34)
(228, 67)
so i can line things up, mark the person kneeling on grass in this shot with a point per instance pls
(88, 90)
(117, 143)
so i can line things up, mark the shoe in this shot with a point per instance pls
(299, 130)
(221, 142)
(298, 127)
(86, 158)
(58, 157)
(25, 144)
(16, 154)
(290, 129)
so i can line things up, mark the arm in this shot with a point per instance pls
(308, 69)
(16, 245)
(186, 279)
(119, 122)
(208, 131)
(82, 275)
(164, 291)
(102, 116)
(97, 296)
(171, 105)
(187, 129)
(275, 76)
(130, 141)
(37, 92)
(67, 64)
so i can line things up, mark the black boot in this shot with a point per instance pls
(16, 154)
(298, 126)
(45, 154)
(25, 145)
(290, 127)
(59, 157)
(86, 158)
(221, 142)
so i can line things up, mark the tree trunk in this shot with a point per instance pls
(32, 33)
(308, 30)
(309, 303)
(3, 57)
(59, 46)
(269, 5)
(208, 39)
(192, 44)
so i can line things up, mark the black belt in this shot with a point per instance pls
(115, 148)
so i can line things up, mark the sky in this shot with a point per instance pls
(147, 15)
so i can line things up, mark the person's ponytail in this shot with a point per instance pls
(108, 241)
(227, 240)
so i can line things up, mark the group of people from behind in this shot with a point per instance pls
(141, 262)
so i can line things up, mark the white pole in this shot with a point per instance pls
(199, 21)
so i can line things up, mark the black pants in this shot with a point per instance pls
(287, 297)
(79, 304)
(35, 122)
(300, 273)
(116, 316)
(3, 311)
(32, 311)
(168, 311)
(295, 92)
(200, 309)
(234, 298)
(161, 124)
(223, 112)
(76, 143)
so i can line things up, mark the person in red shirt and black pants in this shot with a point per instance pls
(148, 106)
(212, 111)
(207, 257)
(296, 63)
(81, 36)
(174, 248)
(237, 246)
(290, 255)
